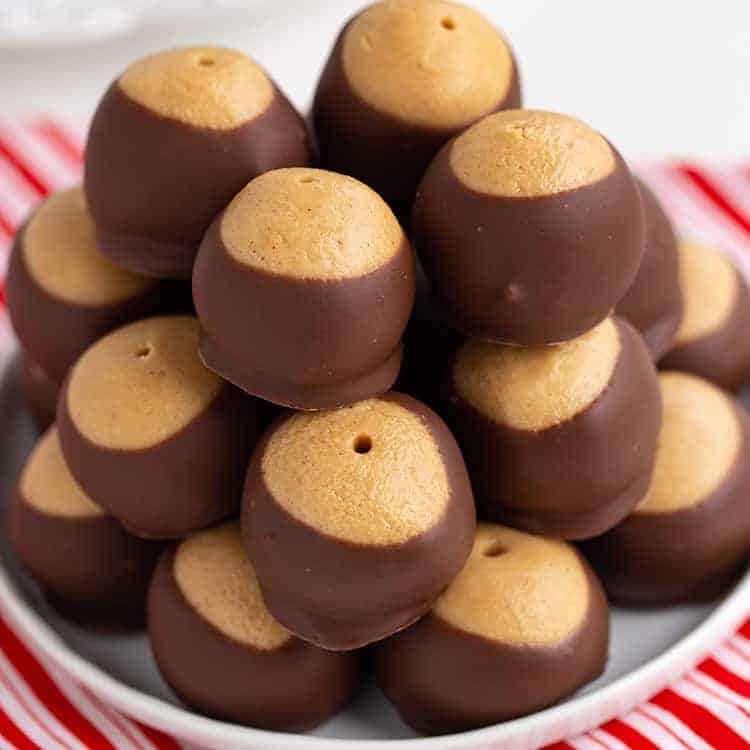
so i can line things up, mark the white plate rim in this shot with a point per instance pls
(576, 716)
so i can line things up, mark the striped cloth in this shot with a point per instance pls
(41, 708)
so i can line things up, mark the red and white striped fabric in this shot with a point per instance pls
(42, 709)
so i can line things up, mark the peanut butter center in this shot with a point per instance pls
(61, 255)
(430, 63)
(207, 87)
(48, 486)
(537, 387)
(215, 576)
(370, 473)
(699, 443)
(310, 224)
(710, 287)
(517, 589)
(524, 153)
(141, 384)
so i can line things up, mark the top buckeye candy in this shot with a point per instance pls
(530, 228)
(303, 287)
(404, 77)
(173, 139)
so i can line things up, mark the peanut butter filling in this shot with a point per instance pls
(141, 384)
(60, 251)
(430, 63)
(370, 473)
(310, 224)
(518, 589)
(710, 286)
(49, 487)
(699, 444)
(524, 153)
(537, 387)
(217, 579)
(208, 87)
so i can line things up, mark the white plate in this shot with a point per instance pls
(649, 649)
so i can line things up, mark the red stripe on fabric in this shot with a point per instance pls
(738, 651)
(714, 731)
(628, 735)
(14, 735)
(34, 181)
(559, 746)
(34, 712)
(721, 674)
(665, 727)
(165, 742)
(744, 631)
(47, 691)
(59, 140)
(717, 695)
(6, 227)
(715, 196)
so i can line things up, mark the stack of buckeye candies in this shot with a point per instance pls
(247, 473)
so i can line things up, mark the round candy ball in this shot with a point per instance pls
(403, 78)
(712, 340)
(356, 519)
(172, 140)
(559, 440)
(523, 625)
(689, 536)
(155, 438)
(63, 293)
(303, 287)
(82, 558)
(530, 228)
(653, 304)
(221, 650)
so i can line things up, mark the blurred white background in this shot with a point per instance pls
(656, 76)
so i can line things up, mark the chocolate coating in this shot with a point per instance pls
(308, 343)
(88, 565)
(55, 331)
(527, 270)
(299, 567)
(721, 355)
(291, 688)
(577, 478)
(155, 183)
(653, 304)
(188, 480)
(683, 555)
(445, 679)
(429, 346)
(387, 152)
(39, 391)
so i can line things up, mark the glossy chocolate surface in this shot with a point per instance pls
(653, 304)
(388, 154)
(155, 184)
(293, 687)
(55, 332)
(38, 390)
(578, 478)
(186, 482)
(90, 567)
(527, 271)
(656, 559)
(443, 679)
(723, 356)
(299, 568)
(308, 344)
